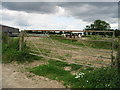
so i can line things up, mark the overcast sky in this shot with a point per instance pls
(58, 15)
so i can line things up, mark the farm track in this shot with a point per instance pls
(16, 76)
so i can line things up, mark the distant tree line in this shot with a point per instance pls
(100, 25)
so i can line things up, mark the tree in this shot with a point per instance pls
(98, 25)
(101, 25)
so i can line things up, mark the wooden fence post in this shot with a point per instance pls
(8, 38)
(21, 40)
(112, 53)
(117, 60)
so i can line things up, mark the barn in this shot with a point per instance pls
(10, 31)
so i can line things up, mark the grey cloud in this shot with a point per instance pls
(61, 1)
(92, 11)
(36, 7)
(87, 11)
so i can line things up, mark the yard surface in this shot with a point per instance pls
(15, 76)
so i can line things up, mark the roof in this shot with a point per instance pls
(8, 26)
(73, 30)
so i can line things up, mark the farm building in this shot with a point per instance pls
(11, 31)
(66, 33)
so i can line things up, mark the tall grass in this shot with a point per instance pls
(10, 52)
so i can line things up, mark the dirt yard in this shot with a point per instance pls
(15, 76)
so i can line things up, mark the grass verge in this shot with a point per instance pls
(85, 78)
(55, 70)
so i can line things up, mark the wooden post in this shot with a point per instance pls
(21, 40)
(8, 38)
(112, 53)
(117, 60)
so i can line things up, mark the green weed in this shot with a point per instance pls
(100, 78)
(86, 78)
(54, 72)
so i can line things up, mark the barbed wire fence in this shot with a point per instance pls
(50, 48)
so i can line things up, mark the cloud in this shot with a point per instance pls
(58, 15)
(61, 1)
(24, 20)
(87, 11)
(31, 7)
(92, 11)
(14, 18)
